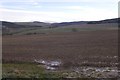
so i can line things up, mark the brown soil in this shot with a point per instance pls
(68, 47)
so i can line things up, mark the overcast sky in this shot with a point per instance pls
(57, 10)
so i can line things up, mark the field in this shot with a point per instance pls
(73, 47)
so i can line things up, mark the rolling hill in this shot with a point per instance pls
(43, 24)
(43, 27)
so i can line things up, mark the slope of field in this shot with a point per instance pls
(36, 27)
(69, 28)
(72, 47)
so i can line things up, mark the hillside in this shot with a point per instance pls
(115, 20)
(37, 27)
(33, 24)
(43, 24)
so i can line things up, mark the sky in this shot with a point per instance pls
(57, 10)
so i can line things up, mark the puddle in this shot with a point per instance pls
(49, 65)
(86, 71)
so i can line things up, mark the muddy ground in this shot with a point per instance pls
(72, 48)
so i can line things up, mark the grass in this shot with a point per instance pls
(24, 70)
(41, 30)
(30, 70)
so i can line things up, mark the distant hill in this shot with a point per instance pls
(6, 24)
(69, 23)
(10, 25)
(17, 27)
(43, 24)
(33, 24)
(115, 20)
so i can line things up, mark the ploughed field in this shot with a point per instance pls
(91, 48)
